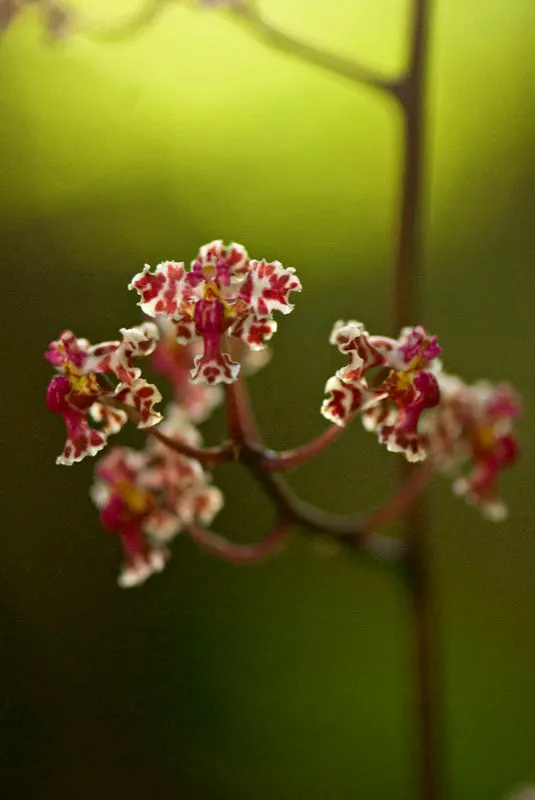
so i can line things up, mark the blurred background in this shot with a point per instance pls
(292, 679)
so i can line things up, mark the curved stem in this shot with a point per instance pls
(206, 455)
(268, 546)
(354, 531)
(255, 23)
(289, 459)
(402, 501)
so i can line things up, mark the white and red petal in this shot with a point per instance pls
(254, 331)
(416, 343)
(485, 498)
(162, 525)
(138, 341)
(267, 288)
(120, 464)
(399, 440)
(116, 357)
(232, 258)
(185, 330)
(164, 290)
(355, 342)
(212, 368)
(208, 502)
(346, 399)
(142, 396)
(138, 568)
(82, 439)
(382, 413)
(112, 419)
(68, 349)
(178, 424)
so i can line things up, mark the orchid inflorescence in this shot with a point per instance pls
(212, 323)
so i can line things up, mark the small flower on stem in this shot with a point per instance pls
(471, 432)
(223, 295)
(146, 497)
(391, 406)
(77, 391)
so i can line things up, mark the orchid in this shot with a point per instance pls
(224, 295)
(393, 404)
(82, 388)
(146, 497)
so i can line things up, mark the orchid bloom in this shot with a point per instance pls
(223, 295)
(393, 406)
(471, 435)
(146, 497)
(78, 390)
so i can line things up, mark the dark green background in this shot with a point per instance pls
(292, 679)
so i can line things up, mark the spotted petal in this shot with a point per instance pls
(345, 399)
(82, 439)
(268, 286)
(254, 331)
(142, 396)
(116, 357)
(228, 261)
(354, 341)
(214, 367)
(164, 290)
(68, 349)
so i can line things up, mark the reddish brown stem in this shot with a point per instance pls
(333, 63)
(241, 423)
(402, 501)
(406, 310)
(289, 459)
(206, 455)
(268, 546)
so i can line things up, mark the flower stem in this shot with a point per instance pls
(246, 11)
(406, 309)
(206, 455)
(289, 459)
(241, 423)
(269, 545)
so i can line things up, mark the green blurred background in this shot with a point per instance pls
(292, 679)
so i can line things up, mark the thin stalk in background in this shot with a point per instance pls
(406, 308)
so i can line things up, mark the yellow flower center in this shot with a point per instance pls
(81, 384)
(138, 501)
(484, 437)
(400, 381)
(212, 292)
(417, 364)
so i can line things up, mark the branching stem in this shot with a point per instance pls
(268, 546)
(355, 532)
(248, 13)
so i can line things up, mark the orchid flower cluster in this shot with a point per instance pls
(212, 321)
